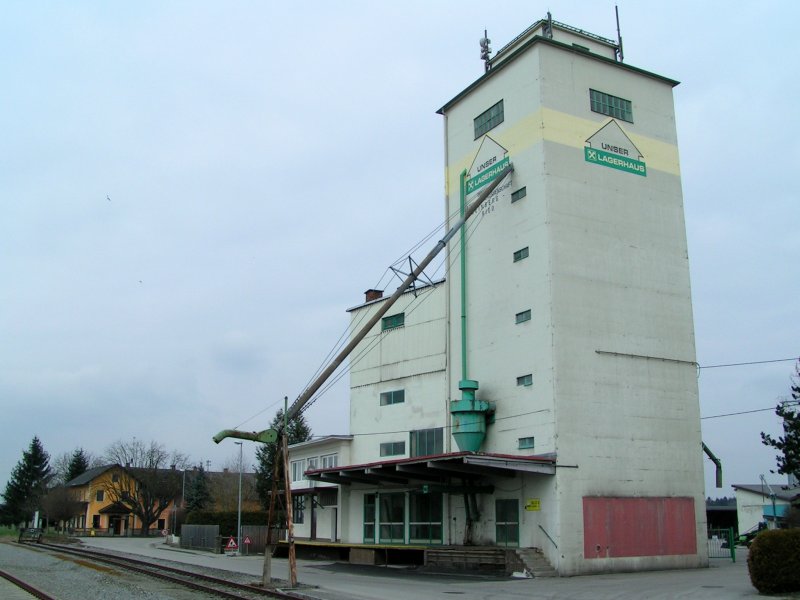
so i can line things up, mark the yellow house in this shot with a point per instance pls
(98, 491)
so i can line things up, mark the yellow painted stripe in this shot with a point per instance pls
(569, 130)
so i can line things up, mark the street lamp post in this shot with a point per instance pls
(175, 503)
(239, 520)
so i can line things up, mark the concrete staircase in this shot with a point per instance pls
(535, 562)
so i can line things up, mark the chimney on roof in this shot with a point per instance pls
(373, 295)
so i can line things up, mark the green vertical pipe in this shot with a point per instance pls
(463, 198)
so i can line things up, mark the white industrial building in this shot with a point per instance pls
(760, 505)
(545, 394)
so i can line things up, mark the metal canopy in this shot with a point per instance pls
(440, 469)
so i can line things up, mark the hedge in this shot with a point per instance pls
(774, 561)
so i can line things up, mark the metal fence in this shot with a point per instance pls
(110, 531)
(721, 544)
(257, 535)
(200, 537)
(207, 537)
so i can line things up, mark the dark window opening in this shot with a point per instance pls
(489, 119)
(606, 104)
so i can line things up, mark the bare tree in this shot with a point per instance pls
(60, 465)
(224, 486)
(68, 465)
(147, 480)
(60, 505)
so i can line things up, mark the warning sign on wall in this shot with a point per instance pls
(533, 504)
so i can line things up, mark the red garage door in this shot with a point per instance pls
(615, 527)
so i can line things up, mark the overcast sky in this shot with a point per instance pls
(193, 193)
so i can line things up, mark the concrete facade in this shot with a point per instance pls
(317, 502)
(579, 332)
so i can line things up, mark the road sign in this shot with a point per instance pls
(231, 545)
(164, 532)
(247, 541)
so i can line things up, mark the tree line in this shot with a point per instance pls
(147, 478)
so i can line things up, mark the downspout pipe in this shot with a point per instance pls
(462, 207)
(716, 461)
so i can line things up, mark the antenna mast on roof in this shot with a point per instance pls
(485, 50)
(620, 54)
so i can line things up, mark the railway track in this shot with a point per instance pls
(200, 582)
(6, 591)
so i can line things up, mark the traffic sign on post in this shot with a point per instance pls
(247, 541)
(231, 545)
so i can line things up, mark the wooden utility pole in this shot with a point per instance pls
(288, 496)
(266, 576)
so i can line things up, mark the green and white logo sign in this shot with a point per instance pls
(493, 170)
(610, 147)
(490, 162)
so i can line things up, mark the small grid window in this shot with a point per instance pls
(519, 194)
(427, 442)
(394, 397)
(520, 254)
(100, 496)
(393, 448)
(393, 321)
(489, 119)
(329, 461)
(312, 464)
(525, 379)
(523, 316)
(606, 104)
(525, 443)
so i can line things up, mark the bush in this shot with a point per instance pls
(774, 561)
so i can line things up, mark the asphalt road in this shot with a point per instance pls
(340, 581)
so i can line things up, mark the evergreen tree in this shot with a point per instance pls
(298, 431)
(78, 464)
(27, 485)
(198, 496)
(789, 443)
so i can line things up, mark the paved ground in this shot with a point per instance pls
(339, 581)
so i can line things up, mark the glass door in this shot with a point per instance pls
(392, 518)
(506, 522)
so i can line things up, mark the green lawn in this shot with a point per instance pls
(8, 532)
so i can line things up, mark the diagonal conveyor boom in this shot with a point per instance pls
(303, 398)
